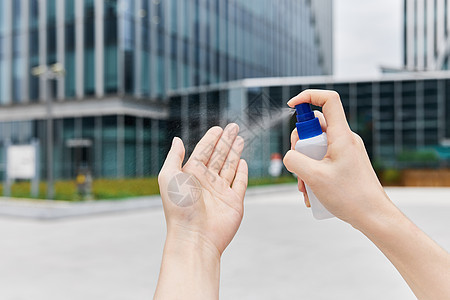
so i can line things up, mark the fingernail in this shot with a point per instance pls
(233, 127)
(173, 140)
(230, 125)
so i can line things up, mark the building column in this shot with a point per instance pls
(203, 112)
(185, 118)
(441, 109)
(43, 86)
(155, 147)
(398, 116)
(222, 108)
(264, 136)
(167, 50)
(78, 134)
(120, 46)
(60, 46)
(8, 53)
(376, 119)
(79, 49)
(353, 109)
(138, 48)
(420, 118)
(139, 146)
(99, 48)
(191, 53)
(98, 146)
(120, 146)
(181, 19)
(153, 51)
(26, 50)
(212, 36)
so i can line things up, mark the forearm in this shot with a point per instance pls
(423, 264)
(190, 269)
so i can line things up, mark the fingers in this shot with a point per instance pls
(323, 122)
(331, 107)
(323, 125)
(294, 138)
(202, 152)
(300, 164)
(174, 158)
(306, 199)
(301, 185)
(229, 167)
(301, 188)
(241, 180)
(223, 147)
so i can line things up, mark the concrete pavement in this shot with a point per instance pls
(280, 252)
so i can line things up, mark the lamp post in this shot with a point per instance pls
(49, 73)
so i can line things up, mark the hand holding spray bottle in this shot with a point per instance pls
(312, 143)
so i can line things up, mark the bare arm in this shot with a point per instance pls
(190, 269)
(423, 264)
(345, 183)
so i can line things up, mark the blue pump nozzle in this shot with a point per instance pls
(308, 125)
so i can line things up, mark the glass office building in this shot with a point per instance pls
(144, 48)
(122, 58)
(426, 40)
(395, 114)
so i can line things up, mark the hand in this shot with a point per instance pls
(203, 200)
(345, 183)
(344, 180)
(203, 205)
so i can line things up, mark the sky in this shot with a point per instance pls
(367, 34)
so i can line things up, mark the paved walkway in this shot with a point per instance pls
(280, 252)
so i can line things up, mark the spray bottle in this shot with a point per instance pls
(312, 143)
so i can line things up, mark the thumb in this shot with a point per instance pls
(300, 164)
(174, 158)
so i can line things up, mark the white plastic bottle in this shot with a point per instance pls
(312, 143)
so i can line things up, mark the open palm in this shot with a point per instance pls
(205, 196)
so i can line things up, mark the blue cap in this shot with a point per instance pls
(308, 125)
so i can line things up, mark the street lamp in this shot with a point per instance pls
(48, 73)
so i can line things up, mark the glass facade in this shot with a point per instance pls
(122, 60)
(426, 37)
(394, 115)
(146, 48)
(109, 146)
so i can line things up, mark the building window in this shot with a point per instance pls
(89, 46)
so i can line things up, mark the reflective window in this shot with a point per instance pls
(110, 40)
(109, 146)
(89, 44)
(69, 46)
(3, 64)
(34, 49)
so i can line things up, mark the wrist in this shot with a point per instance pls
(379, 217)
(182, 241)
(190, 267)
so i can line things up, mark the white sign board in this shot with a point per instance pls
(21, 162)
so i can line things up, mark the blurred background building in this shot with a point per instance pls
(426, 37)
(402, 118)
(121, 59)
(140, 72)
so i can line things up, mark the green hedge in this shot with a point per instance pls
(115, 188)
(101, 189)
(271, 180)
